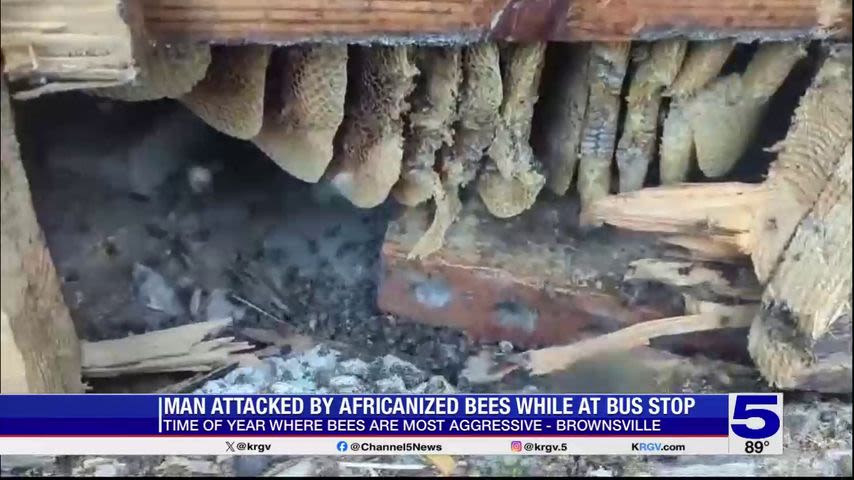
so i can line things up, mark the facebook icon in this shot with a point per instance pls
(342, 446)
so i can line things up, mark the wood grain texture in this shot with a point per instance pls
(721, 211)
(66, 44)
(523, 20)
(38, 345)
(802, 336)
(806, 159)
(177, 349)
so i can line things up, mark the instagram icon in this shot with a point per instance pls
(516, 446)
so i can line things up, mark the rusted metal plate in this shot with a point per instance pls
(535, 279)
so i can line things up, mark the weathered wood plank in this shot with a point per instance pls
(802, 337)
(66, 44)
(38, 346)
(187, 348)
(561, 20)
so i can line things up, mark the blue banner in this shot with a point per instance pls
(369, 415)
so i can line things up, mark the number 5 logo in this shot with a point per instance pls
(748, 407)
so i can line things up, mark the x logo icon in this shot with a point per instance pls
(229, 446)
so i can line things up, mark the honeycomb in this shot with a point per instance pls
(702, 64)
(607, 70)
(479, 101)
(231, 96)
(724, 115)
(421, 123)
(367, 160)
(433, 111)
(512, 160)
(657, 65)
(299, 126)
(562, 113)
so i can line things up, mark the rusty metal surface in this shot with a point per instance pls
(533, 280)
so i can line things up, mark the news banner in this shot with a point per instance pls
(738, 424)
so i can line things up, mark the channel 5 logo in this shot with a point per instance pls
(755, 416)
(515, 446)
(756, 423)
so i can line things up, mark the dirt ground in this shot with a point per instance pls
(197, 226)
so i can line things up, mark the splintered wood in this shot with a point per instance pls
(547, 360)
(60, 45)
(188, 348)
(810, 293)
(802, 337)
(796, 227)
(722, 212)
(806, 159)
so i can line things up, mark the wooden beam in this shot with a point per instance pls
(272, 21)
(38, 345)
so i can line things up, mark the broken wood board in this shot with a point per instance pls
(720, 212)
(59, 45)
(517, 20)
(795, 227)
(39, 347)
(802, 336)
(178, 349)
(547, 360)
